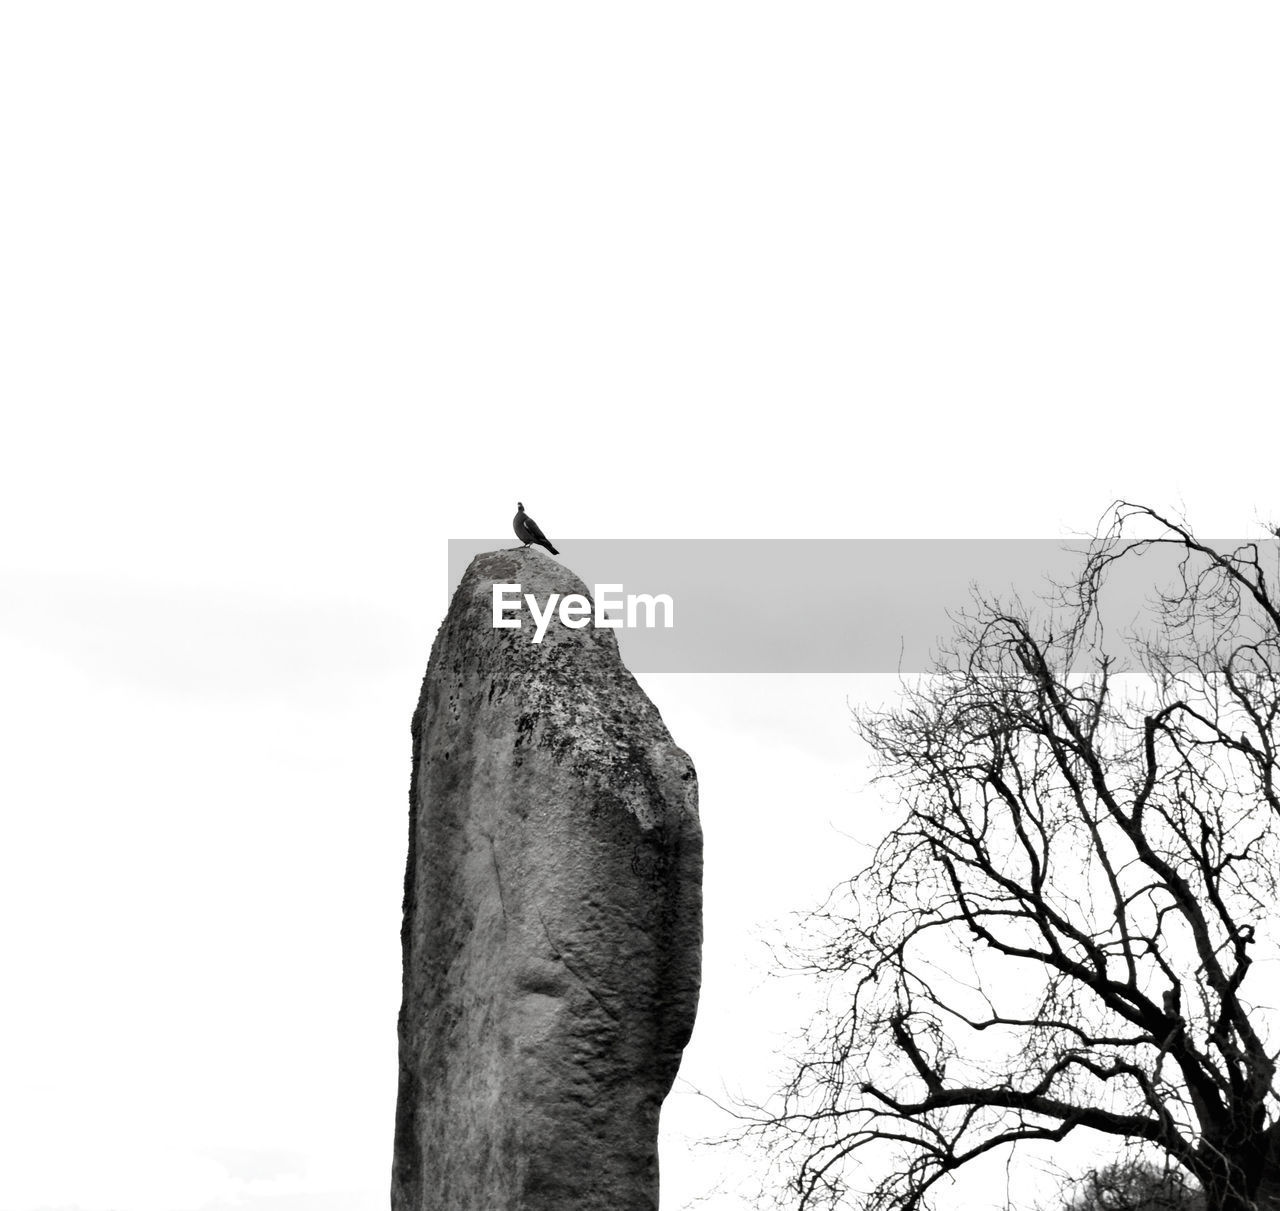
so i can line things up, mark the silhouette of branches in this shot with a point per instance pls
(1058, 932)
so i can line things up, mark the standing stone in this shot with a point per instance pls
(552, 916)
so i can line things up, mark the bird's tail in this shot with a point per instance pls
(551, 548)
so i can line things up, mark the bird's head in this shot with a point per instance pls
(520, 506)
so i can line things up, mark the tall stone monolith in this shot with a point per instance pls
(552, 916)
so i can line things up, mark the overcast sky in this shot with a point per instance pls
(292, 293)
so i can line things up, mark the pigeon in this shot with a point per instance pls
(527, 530)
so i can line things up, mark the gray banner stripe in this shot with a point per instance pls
(829, 605)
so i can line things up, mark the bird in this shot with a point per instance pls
(527, 530)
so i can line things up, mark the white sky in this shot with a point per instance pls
(291, 293)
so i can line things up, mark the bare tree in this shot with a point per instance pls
(1058, 933)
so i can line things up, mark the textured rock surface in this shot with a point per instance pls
(552, 917)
